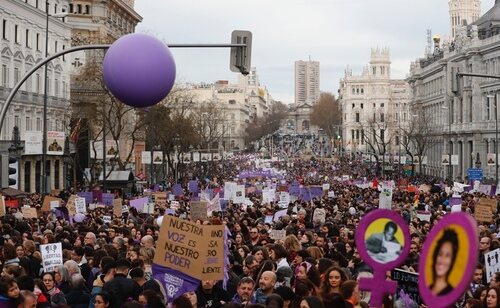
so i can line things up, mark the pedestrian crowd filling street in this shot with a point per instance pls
(289, 237)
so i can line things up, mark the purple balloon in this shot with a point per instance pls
(139, 70)
(78, 217)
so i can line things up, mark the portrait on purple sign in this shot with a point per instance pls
(449, 256)
(384, 240)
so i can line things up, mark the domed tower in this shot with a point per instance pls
(460, 10)
(380, 63)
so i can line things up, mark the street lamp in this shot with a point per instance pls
(45, 98)
(496, 135)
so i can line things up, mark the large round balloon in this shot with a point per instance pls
(139, 70)
(79, 217)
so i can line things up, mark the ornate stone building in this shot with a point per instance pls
(373, 103)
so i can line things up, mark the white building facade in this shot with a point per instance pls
(22, 45)
(373, 103)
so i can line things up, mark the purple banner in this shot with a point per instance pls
(294, 189)
(316, 192)
(177, 190)
(223, 204)
(139, 203)
(107, 199)
(174, 282)
(305, 194)
(87, 195)
(455, 201)
(97, 194)
(193, 186)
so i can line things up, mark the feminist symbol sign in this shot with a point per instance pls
(383, 241)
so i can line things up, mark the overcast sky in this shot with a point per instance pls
(336, 33)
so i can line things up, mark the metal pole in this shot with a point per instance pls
(496, 141)
(450, 168)
(45, 90)
(104, 151)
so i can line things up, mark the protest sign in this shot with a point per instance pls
(331, 194)
(198, 210)
(149, 208)
(424, 216)
(106, 219)
(268, 219)
(29, 212)
(385, 198)
(118, 207)
(88, 195)
(277, 234)
(124, 208)
(2, 206)
(482, 212)
(107, 199)
(48, 203)
(284, 199)
(80, 205)
(160, 198)
(238, 194)
(492, 203)
(492, 263)
(268, 195)
(51, 256)
(71, 205)
(191, 248)
(229, 187)
(139, 203)
(407, 288)
(326, 186)
(54, 204)
(279, 214)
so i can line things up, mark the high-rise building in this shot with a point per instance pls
(306, 82)
(463, 10)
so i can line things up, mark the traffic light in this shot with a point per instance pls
(240, 57)
(9, 166)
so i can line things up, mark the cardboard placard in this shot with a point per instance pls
(2, 206)
(55, 192)
(492, 203)
(51, 256)
(49, 202)
(29, 212)
(492, 263)
(198, 210)
(277, 234)
(71, 205)
(118, 207)
(160, 198)
(483, 212)
(194, 249)
(148, 208)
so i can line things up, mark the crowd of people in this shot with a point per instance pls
(316, 264)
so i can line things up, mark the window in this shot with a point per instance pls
(28, 123)
(362, 91)
(362, 136)
(87, 9)
(17, 121)
(17, 75)
(381, 105)
(362, 105)
(56, 90)
(37, 83)
(38, 41)
(396, 140)
(382, 117)
(16, 34)
(4, 29)
(55, 47)
(352, 134)
(55, 8)
(374, 70)
(5, 75)
(357, 117)
(357, 134)
(79, 8)
(382, 133)
(38, 124)
(353, 91)
(71, 7)
(64, 56)
(27, 41)
(353, 106)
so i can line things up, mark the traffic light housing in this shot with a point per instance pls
(240, 57)
(9, 166)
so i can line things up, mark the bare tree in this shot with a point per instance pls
(267, 124)
(417, 137)
(378, 136)
(327, 115)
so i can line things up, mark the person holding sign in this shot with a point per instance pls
(443, 258)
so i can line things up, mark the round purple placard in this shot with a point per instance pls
(383, 239)
(448, 259)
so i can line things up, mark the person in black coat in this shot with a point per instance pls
(121, 287)
(77, 297)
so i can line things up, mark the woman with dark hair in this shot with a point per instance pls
(260, 253)
(274, 301)
(102, 300)
(332, 280)
(311, 302)
(443, 259)
(492, 296)
(306, 270)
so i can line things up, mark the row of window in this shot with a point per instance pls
(362, 105)
(53, 89)
(31, 39)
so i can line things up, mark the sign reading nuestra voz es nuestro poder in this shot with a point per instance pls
(194, 249)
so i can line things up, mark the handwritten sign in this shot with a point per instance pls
(483, 212)
(107, 199)
(277, 234)
(492, 263)
(29, 212)
(49, 202)
(149, 208)
(160, 198)
(407, 287)
(106, 219)
(191, 248)
(80, 205)
(51, 256)
(198, 210)
(117, 207)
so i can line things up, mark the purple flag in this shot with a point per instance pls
(455, 201)
(316, 192)
(87, 195)
(227, 234)
(193, 186)
(294, 189)
(107, 199)
(177, 190)
(97, 194)
(305, 194)
(174, 282)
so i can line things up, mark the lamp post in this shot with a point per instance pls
(496, 134)
(45, 96)
(450, 170)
